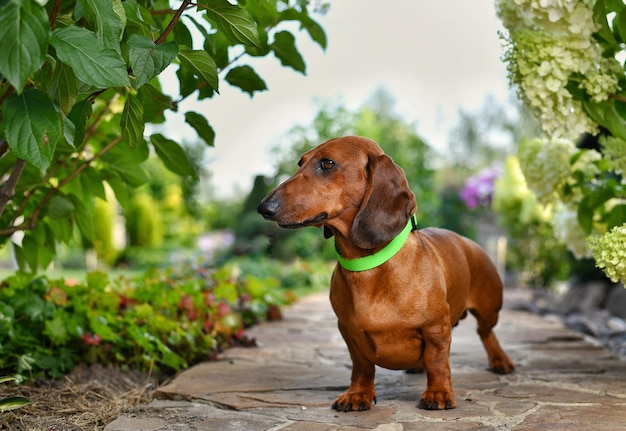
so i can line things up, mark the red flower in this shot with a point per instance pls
(91, 340)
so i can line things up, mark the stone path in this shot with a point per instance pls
(563, 381)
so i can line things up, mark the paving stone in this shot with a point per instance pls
(369, 419)
(124, 423)
(575, 417)
(240, 376)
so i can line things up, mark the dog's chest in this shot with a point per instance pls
(385, 330)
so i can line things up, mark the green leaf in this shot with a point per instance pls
(78, 116)
(188, 82)
(200, 64)
(233, 21)
(25, 35)
(132, 121)
(109, 20)
(30, 249)
(62, 230)
(84, 216)
(595, 110)
(134, 176)
(91, 180)
(69, 131)
(182, 35)
(64, 86)
(133, 12)
(614, 121)
(32, 127)
(619, 23)
(147, 59)
(604, 33)
(92, 62)
(13, 403)
(154, 104)
(201, 126)
(589, 203)
(312, 27)
(316, 32)
(56, 331)
(285, 50)
(173, 156)
(616, 216)
(246, 79)
(59, 207)
(119, 187)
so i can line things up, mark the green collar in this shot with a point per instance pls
(383, 255)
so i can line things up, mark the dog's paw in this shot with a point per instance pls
(502, 365)
(351, 401)
(437, 400)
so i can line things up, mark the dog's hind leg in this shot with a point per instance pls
(499, 362)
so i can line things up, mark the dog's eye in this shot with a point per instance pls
(327, 164)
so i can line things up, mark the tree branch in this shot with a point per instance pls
(172, 22)
(7, 191)
(55, 12)
(32, 221)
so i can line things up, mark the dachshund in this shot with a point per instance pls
(397, 291)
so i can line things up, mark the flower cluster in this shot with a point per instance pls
(546, 166)
(478, 189)
(614, 150)
(554, 170)
(551, 44)
(568, 231)
(609, 251)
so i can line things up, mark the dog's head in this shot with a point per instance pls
(348, 185)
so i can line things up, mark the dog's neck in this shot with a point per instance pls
(356, 259)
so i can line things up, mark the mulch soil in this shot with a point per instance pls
(89, 398)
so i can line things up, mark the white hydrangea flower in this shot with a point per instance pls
(549, 43)
(546, 166)
(567, 230)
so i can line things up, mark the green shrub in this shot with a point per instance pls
(104, 218)
(168, 319)
(143, 222)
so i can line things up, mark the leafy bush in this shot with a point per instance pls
(166, 320)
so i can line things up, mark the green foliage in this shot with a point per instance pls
(167, 319)
(82, 79)
(143, 222)
(533, 252)
(103, 230)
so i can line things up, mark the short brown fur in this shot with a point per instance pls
(400, 314)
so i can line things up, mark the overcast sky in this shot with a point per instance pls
(433, 57)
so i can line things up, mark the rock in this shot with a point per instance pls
(616, 301)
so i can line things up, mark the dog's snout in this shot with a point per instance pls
(268, 208)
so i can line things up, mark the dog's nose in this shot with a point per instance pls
(268, 209)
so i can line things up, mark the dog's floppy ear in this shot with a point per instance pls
(387, 204)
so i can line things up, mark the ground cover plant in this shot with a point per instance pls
(166, 320)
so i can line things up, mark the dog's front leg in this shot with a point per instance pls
(438, 394)
(361, 393)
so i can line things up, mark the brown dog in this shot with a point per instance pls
(398, 314)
